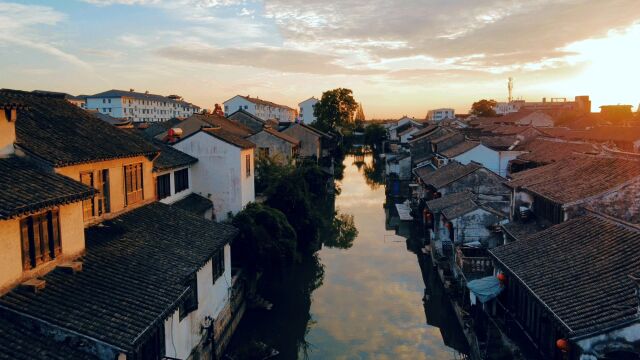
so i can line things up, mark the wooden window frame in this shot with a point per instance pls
(190, 302)
(181, 180)
(40, 238)
(163, 186)
(217, 265)
(133, 183)
(248, 165)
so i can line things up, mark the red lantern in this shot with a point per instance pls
(501, 277)
(563, 345)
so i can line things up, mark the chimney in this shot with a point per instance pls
(8, 117)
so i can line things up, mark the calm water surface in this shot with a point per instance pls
(364, 302)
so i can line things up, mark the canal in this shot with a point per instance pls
(361, 301)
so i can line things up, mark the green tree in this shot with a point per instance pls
(374, 134)
(484, 108)
(269, 171)
(335, 109)
(291, 196)
(265, 241)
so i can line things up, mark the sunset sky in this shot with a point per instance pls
(399, 57)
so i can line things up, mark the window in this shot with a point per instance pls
(40, 237)
(133, 187)
(246, 107)
(248, 164)
(217, 264)
(163, 186)
(87, 205)
(190, 302)
(181, 179)
(263, 152)
(104, 101)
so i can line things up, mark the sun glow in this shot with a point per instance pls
(612, 74)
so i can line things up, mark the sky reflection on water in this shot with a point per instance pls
(370, 303)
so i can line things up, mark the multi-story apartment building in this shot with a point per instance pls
(441, 114)
(140, 107)
(307, 108)
(265, 110)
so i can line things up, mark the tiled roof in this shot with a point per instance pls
(459, 148)
(264, 102)
(63, 134)
(449, 173)
(575, 178)
(160, 127)
(109, 119)
(230, 138)
(133, 275)
(195, 122)
(424, 131)
(25, 188)
(282, 136)
(579, 269)
(498, 142)
(194, 203)
(171, 158)
(406, 131)
(546, 150)
(435, 134)
(459, 209)
(244, 117)
(17, 342)
(598, 134)
(437, 205)
(519, 229)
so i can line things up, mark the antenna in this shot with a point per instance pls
(510, 87)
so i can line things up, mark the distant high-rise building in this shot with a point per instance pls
(306, 110)
(139, 107)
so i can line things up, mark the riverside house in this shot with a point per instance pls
(225, 171)
(573, 289)
(138, 280)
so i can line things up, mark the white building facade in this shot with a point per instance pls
(224, 173)
(307, 108)
(140, 107)
(265, 110)
(441, 114)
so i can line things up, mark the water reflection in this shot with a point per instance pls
(360, 299)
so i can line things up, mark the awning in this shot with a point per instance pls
(484, 289)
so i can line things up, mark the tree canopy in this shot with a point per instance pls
(374, 134)
(335, 109)
(484, 108)
(265, 239)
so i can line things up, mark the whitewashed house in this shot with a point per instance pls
(468, 151)
(265, 110)
(140, 107)
(407, 134)
(225, 171)
(441, 114)
(306, 110)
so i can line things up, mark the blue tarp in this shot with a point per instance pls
(484, 289)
